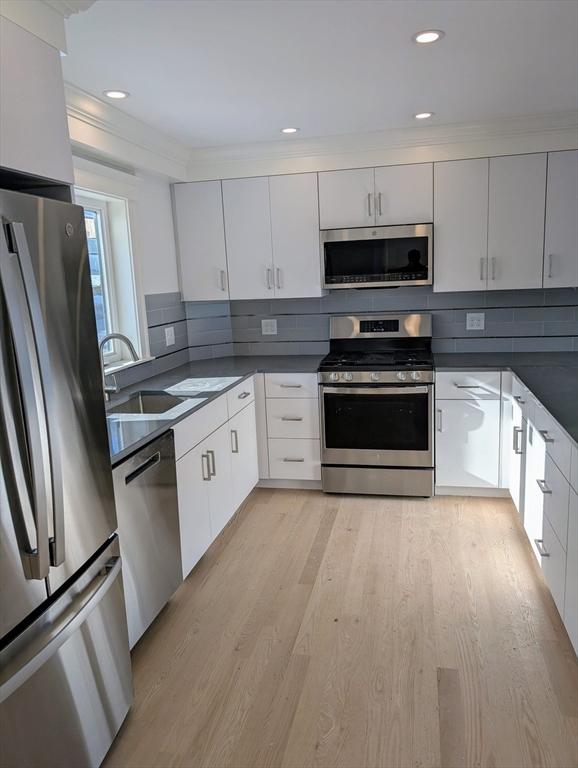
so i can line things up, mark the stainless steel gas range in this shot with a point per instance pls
(376, 390)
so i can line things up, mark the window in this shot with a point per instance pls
(111, 272)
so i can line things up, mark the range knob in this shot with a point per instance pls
(348, 376)
(401, 375)
(334, 377)
(416, 375)
(374, 376)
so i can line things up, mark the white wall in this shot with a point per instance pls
(155, 237)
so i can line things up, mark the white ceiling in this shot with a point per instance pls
(214, 72)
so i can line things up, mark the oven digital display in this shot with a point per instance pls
(379, 326)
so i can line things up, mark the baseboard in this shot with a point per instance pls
(305, 485)
(496, 493)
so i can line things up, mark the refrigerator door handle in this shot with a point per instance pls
(18, 671)
(35, 557)
(38, 351)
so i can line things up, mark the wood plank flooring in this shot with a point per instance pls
(323, 631)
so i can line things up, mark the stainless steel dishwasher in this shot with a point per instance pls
(145, 489)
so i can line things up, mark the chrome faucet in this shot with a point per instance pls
(121, 337)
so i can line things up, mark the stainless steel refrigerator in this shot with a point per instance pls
(65, 675)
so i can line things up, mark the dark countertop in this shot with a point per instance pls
(127, 436)
(551, 376)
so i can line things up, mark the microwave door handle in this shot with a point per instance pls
(35, 556)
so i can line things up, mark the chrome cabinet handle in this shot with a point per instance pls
(294, 461)
(243, 395)
(439, 415)
(223, 277)
(212, 466)
(269, 278)
(493, 267)
(291, 418)
(543, 487)
(516, 445)
(540, 547)
(519, 400)
(369, 204)
(290, 386)
(204, 457)
(234, 441)
(482, 271)
(278, 278)
(379, 204)
(544, 433)
(467, 386)
(550, 260)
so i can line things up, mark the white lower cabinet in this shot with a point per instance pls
(571, 597)
(244, 461)
(194, 516)
(220, 485)
(517, 459)
(294, 459)
(467, 443)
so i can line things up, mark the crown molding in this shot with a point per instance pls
(516, 135)
(100, 129)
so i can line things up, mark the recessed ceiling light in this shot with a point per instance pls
(428, 36)
(289, 130)
(423, 115)
(114, 94)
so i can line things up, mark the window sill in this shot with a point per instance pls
(114, 367)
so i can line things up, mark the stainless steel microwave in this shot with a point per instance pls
(377, 257)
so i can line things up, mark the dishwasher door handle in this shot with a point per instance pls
(151, 462)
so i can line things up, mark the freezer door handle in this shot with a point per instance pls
(39, 499)
(19, 670)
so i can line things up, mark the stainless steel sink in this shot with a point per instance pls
(147, 402)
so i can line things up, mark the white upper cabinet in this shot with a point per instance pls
(33, 123)
(517, 196)
(346, 198)
(561, 237)
(295, 235)
(201, 241)
(248, 238)
(461, 225)
(404, 194)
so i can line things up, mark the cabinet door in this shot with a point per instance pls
(516, 221)
(561, 237)
(248, 238)
(244, 461)
(347, 198)
(517, 449)
(404, 194)
(218, 448)
(201, 241)
(295, 235)
(461, 225)
(571, 600)
(533, 495)
(467, 443)
(194, 519)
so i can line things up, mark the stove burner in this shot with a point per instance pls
(378, 360)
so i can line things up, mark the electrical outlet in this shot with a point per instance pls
(169, 336)
(475, 321)
(269, 327)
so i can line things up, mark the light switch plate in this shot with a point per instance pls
(169, 336)
(269, 327)
(475, 321)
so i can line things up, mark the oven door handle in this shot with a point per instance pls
(409, 390)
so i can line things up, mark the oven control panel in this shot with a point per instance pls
(375, 377)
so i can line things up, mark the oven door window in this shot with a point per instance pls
(403, 258)
(377, 422)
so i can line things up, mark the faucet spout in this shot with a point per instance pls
(121, 337)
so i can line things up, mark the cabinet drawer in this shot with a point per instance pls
(240, 396)
(556, 492)
(291, 384)
(558, 446)
(294, 459)
(190, 431)
(522, 395)
(462, 385)
(553, 561)
(293, 417)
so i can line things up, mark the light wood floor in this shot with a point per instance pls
(348, 631)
